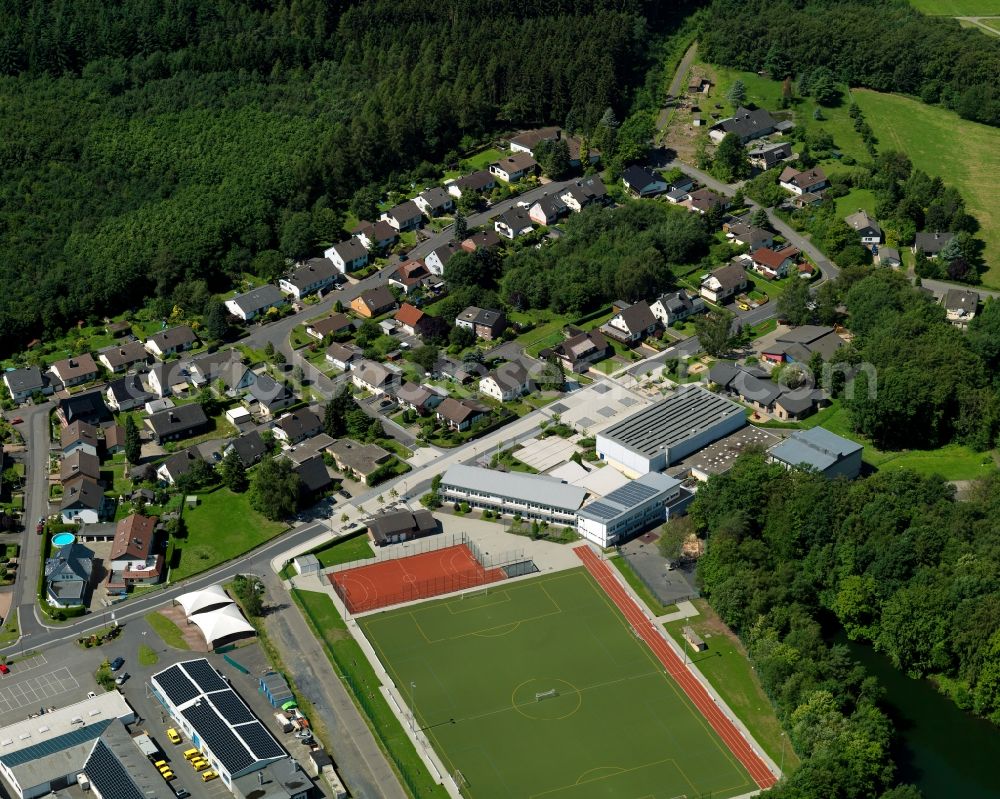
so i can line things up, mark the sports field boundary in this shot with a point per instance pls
(733, 734)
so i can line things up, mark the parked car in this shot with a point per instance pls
(121, 678)
(344, 493)
(181, 792)
(173, 736)
(4, 668)
(117, 663)
(17, 420)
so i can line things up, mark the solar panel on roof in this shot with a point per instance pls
(631, 494)
(230, 707)
(261, 741)
(602, 510)
(218, 737)
(177, 686)
(205, 676)
(58, 743)
(110, 778)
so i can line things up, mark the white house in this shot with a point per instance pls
(723, 283)
(342, 356)
(676, 307)
(589, 191)
(376, 235)
(347, 256)
(314, 275)
(867, 228)
(773, 264)
(643, 182)
(631, 324)
(171, 341)
(514, 167)
(507, 382)
(405, 216)
(22, 383)
(438, 258)
(513, 223)
(808, 181)
(434, 201)
(375, 377)
(256, 302)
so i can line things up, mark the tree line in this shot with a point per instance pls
(893, 560)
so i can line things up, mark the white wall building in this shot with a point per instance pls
(532, 496)
(629, 510)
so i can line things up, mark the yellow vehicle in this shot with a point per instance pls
(167, 774)
(208, 776)
(743, 306)
(191, 754)
(199, 765)
(173, 736)
(160, 763)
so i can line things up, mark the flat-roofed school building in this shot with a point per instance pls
(667, 431)
(629, 510)
(532, 496)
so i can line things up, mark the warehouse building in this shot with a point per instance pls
(629, 510)
(663, 433)
(819, 450)
(535, 497)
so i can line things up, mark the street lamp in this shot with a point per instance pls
(413, 707)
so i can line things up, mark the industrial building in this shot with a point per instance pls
(819, 450)
(531, 496)
(663, 433)
(629, 510)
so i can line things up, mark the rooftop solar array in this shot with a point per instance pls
(231, 707)
(177, 686)
(76, 736)
(261, 741)
(628, 497)
(631, 494)
(205, 675)
(109, 776)
(218, 736)
(603, 510)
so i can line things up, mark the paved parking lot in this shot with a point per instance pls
(37, 691)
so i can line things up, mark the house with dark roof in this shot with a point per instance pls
(78, 436)
(418, 398)
(704, 200)
(481, 240)
(88, 407)
(314, 275)
(23, 383)
(507, 382)
(798, 344)
(889, 256)
(332, 325)
(676, 307)
(438, 258)
(256, 303)
(343, 356)
(377, 378)
(579, 351)
(474, 183)
(126, 393)
(868, 229)
(631, 324)
(171, 341)
(409, 276)
(513, 168)
(808, 181)
(773, 264)
(750, 236)
(178, 465)
(182, 421)
(75, 371)
(80, 463)
(267, 397)
(643, 182)
(434, 201)
(349, 255)
(394, 527)
(745, 124)
(547, 210)
(405, 216)
(314, 477)
(83, 502)
(295, 427)
(723, 283)
(960, 306)
(123, 356)
(376, 236)
(133, 559)
(931, 243)
(754, 387)
(460, 414)
(527, 142)
(361, 459)
(513, 222)
(68, 575)
(584, 193)
(768, 154)
(249, 448)
(114, 439)
(486, 323)
(373, 302)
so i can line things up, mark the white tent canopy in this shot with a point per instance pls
(204, 599)
(222, 623)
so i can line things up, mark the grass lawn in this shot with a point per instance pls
(355, 671)
(964, 154)
(167, 630)
(615, 724)
(956, 8)
(546, 333)
(726, 667)
(222, 527)
(482, 160)
(147, 656)
(345, 551)
(647, 596)
(863, 199)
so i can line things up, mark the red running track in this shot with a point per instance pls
(727, 731)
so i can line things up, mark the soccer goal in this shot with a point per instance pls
(552, 693)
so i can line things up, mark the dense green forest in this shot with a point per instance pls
(884, 45)
(152, 149)
(894, 560)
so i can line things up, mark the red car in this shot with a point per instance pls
(4, 668)
(17, 420)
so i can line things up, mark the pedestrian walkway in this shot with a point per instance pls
(685, 610)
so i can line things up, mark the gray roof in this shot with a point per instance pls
(672, 420)
(128, 388)
(639, 178)
(629, 496)
(350, 250)
(72, 561)
(746, 124)
(436, 197)
(404, 211)
(312, 271)
(258, 298)
(530, 488)
(124, 353)
(959, 300)
(82, 492)
(180, 463)
(803, 334)
(475, 181)
(25, 380)
(299, 423)
(638, 317)
(177, 420)
(378, 298)
(932, 242)
(268, 391)
(510, 376)
(815, 447)
(887, 253)
(861, 222)
(516, 219)
(181, 336)
(480, 316)
(730, 275)
(383, 526)
(313, 474)
(118, 769)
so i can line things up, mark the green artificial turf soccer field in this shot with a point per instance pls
(618, 725)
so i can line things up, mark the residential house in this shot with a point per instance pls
(409, 276)
(171, 341)
(807, 200)
(314, 477)
(819, 450)
(68, 575)
(255, 303)
(773, 264)
(249, 448)
(158, 380)
(643, 182)
(866, 227)
(419, 398)
(473, 183)
(481, 240)
(359, 459)
(347, 256)
(528, 141)
(178, 465)
(412, 321)
(460, 414)
(80, 464)
(579, 351)
(513, 222)
(405, 216)
(294, 428)
(397, 526)
(23, 383)
(374, 377)
(373, 302)
(75, 371)
(375, 236)
(438, 258)
(507, 382)
(268, 397)
(225, 367)
(126, 393)
(676, 307)
(331, 325)
(584, 193)
(314, 445)
(750, 236)
(78, 436)
(678, 196)
(746, 125)
(631, 324)
(682, 183)
(889, 256)
(120, 357)
(704, 200)
(343, 356)
(133, 558)
(514, 167)
(434, 202)
(798, 344)
(768, 154)
(960, 306)
(83, 502)
(114, 439)
(547, 210)
(88, 407)
(931, 244)
(176, 423)
(698, 85)
(808, 181)
(723, 283)
(486, 323)
(314, 275)
(119, 329)
(754, 387)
